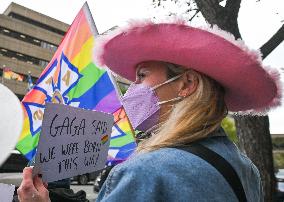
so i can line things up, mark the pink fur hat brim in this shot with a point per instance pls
(250, 88)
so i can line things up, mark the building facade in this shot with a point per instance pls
(28, 40)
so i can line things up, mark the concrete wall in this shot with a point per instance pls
(26, 12)
(29, 29)
(20, 66)
(17, 87)
(26, 48)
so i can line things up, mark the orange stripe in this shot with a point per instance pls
(35, 96)
(79, 34)
(76, 43)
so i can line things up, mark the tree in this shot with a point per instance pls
(253, 132)
(228, 124)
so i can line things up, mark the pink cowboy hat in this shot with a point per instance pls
(250, 88)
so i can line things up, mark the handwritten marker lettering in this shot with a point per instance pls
(73, 141)
(99, 127)
(67, 127)
(67, 164)
(91, 146)
(49, 156)
(91, 160)
(70, 149)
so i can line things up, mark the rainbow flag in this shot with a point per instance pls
(72, 78)
(9, 74)
(104, 139)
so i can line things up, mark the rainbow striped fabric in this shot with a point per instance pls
(9, 74)
(73, 79)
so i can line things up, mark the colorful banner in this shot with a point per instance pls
(72, 78)
(9, 74)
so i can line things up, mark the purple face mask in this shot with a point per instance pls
(142, 105)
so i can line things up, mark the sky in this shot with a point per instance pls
(258, 21)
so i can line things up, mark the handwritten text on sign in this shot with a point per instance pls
(73, 141)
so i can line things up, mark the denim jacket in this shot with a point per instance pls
(171, 174)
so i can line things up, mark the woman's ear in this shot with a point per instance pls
(189, 84)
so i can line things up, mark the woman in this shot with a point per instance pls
(186, 80)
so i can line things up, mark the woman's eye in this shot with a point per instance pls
(141, 75)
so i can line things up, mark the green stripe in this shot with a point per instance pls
(121, 141)
(28, 143)
(91, 74)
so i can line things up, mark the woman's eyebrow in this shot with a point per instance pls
(141, 68)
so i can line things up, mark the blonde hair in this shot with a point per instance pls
(191, 119)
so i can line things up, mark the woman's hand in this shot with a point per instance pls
(32, 189)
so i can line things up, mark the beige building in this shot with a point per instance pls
(28, 40)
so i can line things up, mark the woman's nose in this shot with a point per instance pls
(137, 81)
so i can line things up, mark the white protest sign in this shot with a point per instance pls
(73, 141)
(6, 192)
(11, 119)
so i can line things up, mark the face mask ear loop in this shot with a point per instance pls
(168, 81)
(171, 100)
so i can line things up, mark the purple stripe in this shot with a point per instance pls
(109, 103)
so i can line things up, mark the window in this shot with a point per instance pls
(36, 23)
(28, 39)
(48, 46)
(43, 63)
(25, 58)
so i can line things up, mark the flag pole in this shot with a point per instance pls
(90, 19)
(113, 80)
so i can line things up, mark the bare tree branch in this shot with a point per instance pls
(197, 11)
(209, 9)
(216, 14)
(214, 2)
(273, 42)
(233, 7)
